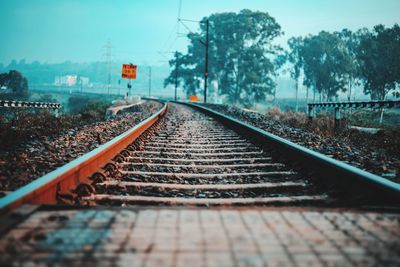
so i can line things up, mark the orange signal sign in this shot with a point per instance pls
(193, 98)
(129, 71)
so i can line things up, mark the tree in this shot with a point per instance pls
(182, 74)
(294, 56)
(351, 41)
(240, 55)
(16, 82)
(325, 64)
(378, 54)
(77, 103)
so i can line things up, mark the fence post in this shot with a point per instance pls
(337, 113)
(310, 111)
(337, 116)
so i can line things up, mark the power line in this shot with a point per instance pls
(172, 44)
(179, 34)
(179, 9)
(170, 35)
(149, 75)
(184, 25)
(190, 20)
(162, 53)
(179, 14)
(175, 30)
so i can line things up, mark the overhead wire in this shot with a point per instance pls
(170, 35)
(179, 15)
(168, 45)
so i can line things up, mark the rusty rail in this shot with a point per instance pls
(61, 180)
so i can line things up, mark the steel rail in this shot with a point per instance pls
(334, 171)
(45, 189)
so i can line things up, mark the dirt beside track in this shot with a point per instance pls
(27, 161)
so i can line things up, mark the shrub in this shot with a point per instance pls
(77, 103)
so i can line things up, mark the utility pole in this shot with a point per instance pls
(119, 87)
(129, 93)
(176, 75)
(206, 45)
(149, 81)
(206, 63)
(108, 55)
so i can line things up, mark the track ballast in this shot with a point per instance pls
(189, 158)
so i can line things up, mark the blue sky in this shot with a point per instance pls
(77, 30)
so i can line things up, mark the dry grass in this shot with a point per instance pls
(323, 124)
(27, 125)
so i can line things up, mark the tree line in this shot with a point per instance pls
(244, 60)
(334, 62)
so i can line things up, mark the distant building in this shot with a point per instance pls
(71, 80)
(84, 81)
(57, 80)
(68, 80)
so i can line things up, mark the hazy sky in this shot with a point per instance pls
(77, 30)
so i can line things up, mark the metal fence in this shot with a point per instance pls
(25, 104)
(354, 104)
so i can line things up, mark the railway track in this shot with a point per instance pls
(189, 158)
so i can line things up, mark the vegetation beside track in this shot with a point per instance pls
(379, 153)
(18, 126)
(385, 141)
(34, 144)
